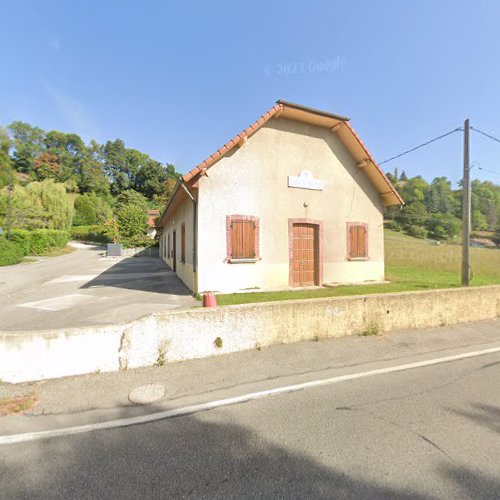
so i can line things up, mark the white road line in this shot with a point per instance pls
(187, 410)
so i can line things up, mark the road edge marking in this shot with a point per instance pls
(197, 408)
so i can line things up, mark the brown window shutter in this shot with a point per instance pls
(243, 240)
(358, 242)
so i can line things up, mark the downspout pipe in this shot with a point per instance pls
(195, 224)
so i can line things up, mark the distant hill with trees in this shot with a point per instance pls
(434, 210)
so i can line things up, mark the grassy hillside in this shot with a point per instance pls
(410, 264)
(423, 264)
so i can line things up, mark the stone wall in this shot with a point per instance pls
(195, 333)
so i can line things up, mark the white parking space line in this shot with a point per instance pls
(188, 410)
(62, 302)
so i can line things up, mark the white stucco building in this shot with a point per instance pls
(295, 199)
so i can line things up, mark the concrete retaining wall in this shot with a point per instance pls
(182, 335)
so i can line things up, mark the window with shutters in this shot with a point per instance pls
(168, 246)
(357, 241)
(183, 243)
(242, 233)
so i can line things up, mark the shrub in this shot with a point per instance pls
(442, 226)
(138, 242)
(43, 240)
(22, 238)
(58, 239)
(93, 233)
(132, 226)
(10, 253)
(417, 232)
(395, 226)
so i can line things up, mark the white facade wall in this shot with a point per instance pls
(253, 180)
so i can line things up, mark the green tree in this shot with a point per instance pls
(116, 167)
(439, 196)
(150, 179)
(414, 189)
(56, 204)
(28, 144)
(443, 226)
(90, 209)
(132, 225)
(412, 215)
(160, 200)
(131, 214)
(91, 177)
(70, 151)
(26, 213)
(38, 205)
(131, 197)
(6, 171)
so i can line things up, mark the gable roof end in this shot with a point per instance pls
(336, 123)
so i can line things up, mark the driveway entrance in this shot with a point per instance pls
(87, 288)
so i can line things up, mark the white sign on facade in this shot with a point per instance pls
(305, 180)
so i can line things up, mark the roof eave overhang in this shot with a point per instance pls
(365, 161)
(338, 124)
(169, 203)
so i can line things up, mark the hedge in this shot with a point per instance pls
(93, 233)
(10, 253)
(43, 240)
(22, 238)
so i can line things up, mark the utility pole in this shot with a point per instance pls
(466, 210)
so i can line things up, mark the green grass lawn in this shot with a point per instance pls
(410, 264)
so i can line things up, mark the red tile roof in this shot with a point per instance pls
(232, 143)
(321, 118)
(152, 215)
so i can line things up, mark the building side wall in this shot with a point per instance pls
(182, 215)
(253, 180)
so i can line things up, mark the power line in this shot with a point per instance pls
(490, 171)
(492, 137)
(422, 145)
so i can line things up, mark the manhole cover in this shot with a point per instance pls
(146, 394)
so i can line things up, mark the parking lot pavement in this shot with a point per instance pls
(87, 288)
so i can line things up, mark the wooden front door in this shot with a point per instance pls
(174, 251)
(304, 260)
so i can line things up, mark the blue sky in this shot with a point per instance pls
(177, 80)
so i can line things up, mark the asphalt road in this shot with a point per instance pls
(430, 432)
(86, 288)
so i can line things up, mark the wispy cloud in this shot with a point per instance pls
(76, 114)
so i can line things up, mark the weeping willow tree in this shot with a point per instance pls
(39, 205)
